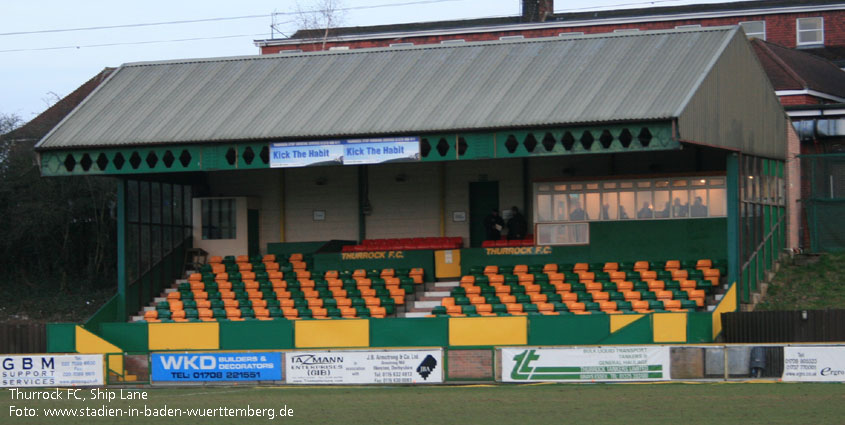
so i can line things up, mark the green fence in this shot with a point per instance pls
(824, 205)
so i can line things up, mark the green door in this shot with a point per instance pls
(252, 233)
(483, 198)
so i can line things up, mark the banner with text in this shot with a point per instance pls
(814, 364)
(589, 364)
(364, 367)
(205, 367)
(348, 152)
(61, 370)
(303, 154)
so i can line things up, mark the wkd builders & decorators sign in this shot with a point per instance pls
(364, 367)
(208, 367)
(589, 364)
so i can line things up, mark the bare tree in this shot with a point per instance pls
(320, 15)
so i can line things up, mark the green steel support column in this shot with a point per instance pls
(121, 249)
(732, 168)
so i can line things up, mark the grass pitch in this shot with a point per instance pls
(745, 403)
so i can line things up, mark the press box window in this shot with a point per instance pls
(218, 219)
(810, 31)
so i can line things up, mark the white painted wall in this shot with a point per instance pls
(337, 195)
(262, 185)
(405, 200)
(223, 247)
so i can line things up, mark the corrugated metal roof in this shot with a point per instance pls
(535, 82)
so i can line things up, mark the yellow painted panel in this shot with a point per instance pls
(727, 305)
(447, 263)
(619, 321)
(331, 333)
(184, 336)
(670, 327)
(488, 330)
(89, 343)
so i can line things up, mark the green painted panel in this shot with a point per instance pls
(477, 146)
(107, 313)
(438, 147)
(699, 327)
(376, 260)
(131, 337)
(286, 248)
(650, 240)
(568, 330)
(638, 332)
(409, 332)
(256, 335)
(61, 337)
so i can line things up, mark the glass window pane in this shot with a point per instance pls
(177, 205)
(132, 200)
(609, 206)
(166, 203)
(699, 182)
(661, 183)
(643, 184)
(576, 186)
(576, 207)
(593, 206)
(644, 205)
(560, 187)
(680, 203)
(680, 183)
(626, 185)
(133, 241)
(610, 185)
(592, 186)
(544, 207)
(718, 206)
(206, 219)
(699, 203)
(155, 205)
(144, 205)
(187, 209)
(627, 205)
(560, 207)
(662, 205)
(717, 182)
(544, 188)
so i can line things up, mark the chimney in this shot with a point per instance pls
(537, 10)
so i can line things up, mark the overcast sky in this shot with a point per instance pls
(37, 66)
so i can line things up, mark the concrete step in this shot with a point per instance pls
(148, 308)
(415, 314)
(169, 290)
(178, 281)
(718, 297)
(436, 294)
(451, 284)
(136, 318)
(425, 305)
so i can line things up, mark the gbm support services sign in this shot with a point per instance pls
(204, 367)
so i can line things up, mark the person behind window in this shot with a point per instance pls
(645, 211)
(493, 224)
(698, 209)
(664, 213)
(605, 212)
(517, 225)
(623, 215)
(679, 209)
(577, 213)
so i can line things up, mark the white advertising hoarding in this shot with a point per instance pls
(814, 364)
(587, 364)
(60, 370)
(364, 367)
